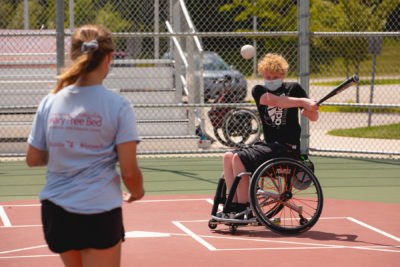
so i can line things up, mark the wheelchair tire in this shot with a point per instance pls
(242, 127)
(286, 196)
(218, 132)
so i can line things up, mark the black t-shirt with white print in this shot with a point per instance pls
(280, 124)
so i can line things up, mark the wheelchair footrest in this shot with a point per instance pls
(219, 220)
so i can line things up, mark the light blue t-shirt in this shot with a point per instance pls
(80, 128)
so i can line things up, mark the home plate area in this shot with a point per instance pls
(174, 230)
(169, 218)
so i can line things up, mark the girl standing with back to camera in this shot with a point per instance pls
(80, 132)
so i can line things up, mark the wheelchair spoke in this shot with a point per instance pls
(261, 193)
(298, 209)
(275, 180)
(286, 196)
(266, 202)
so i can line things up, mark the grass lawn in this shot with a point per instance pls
(390, 131)
(357, 109)
(361, 82)
(387, 64)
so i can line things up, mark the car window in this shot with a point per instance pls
(214, 63)
(210, 62)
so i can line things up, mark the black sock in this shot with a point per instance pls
(239, 207)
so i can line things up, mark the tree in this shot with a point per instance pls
(84, 12)
(350, 16)
(6, 11)
(326, 15)
(37, 16)
(272, 15)
(113, 21)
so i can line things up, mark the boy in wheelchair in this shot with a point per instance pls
(278, 104)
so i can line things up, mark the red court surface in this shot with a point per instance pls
(173, 231)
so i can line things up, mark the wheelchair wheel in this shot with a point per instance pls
(219, 134)
(286, 196)
(242, 127)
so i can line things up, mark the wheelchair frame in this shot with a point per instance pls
(277, 184)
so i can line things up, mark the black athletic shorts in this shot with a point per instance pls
(252, 157)
(65, 231)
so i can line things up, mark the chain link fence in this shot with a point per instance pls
(178, 62)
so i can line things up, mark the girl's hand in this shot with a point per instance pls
(127, 197)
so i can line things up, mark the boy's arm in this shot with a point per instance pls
(288, 102)
(312, 115)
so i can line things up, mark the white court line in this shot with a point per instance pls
(209, 200)
(170, 200)
(4, 217)
(21, 205)
(302, 244)
(32, 256)
(194, 236)
(256, 239)
(200, 239)
(139, 201)
(374, 229)
(22, 249)
(299, 248)
(321, 218)
(22, 226)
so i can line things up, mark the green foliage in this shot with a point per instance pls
(37, 16)
(272, 15)
(275, 15)
(85, 12)
(111, 19)
(326, 16)
(349, 16)
(388, 57)
(390, 131)
(6, 10)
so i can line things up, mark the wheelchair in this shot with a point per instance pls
(285, 197)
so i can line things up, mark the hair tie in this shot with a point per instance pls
(88, 46)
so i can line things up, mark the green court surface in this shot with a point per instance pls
(341, 178)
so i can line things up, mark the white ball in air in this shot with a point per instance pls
(247, 51)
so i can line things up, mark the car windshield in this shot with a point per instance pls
(214, 63)
(211, 61)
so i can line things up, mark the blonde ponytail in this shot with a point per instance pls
(84, 55)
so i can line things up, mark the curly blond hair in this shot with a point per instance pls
(273, 63)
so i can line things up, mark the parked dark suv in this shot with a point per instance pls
(215, 69)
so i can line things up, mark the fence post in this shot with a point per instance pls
(71, 15)
(304, 64)
(60, 34)
(26, 15)
(156, 29)
(255, 47)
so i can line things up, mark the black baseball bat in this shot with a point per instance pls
(341, 87)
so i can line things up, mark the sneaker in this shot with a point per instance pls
(220, 214)
(244, 209)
